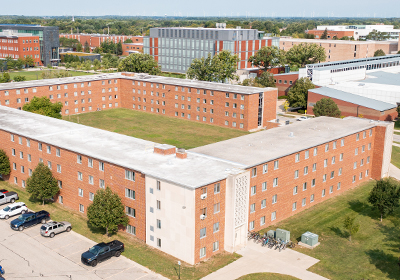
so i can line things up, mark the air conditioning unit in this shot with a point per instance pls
(203, 196)
(202, 217)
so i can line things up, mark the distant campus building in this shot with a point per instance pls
(197, 203)
(22, 40)
(175, 47)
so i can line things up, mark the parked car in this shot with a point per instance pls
(101, 252)
(29, 219)
(8, 197)
(13, 209)
(303, 118)
(53, 228)
(3, 191)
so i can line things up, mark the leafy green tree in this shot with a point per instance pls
(398, 52)
(42, 185)
(19, 63)
(302, 54)
(297, 95)
(128, 41)
(19, 78)
(139, 63)
(266, 79)
(10, 63)
(87, 65)
(43, 106)
(351, 226)
(5, 168)
(325, 34)
(29, 61)
(268, 57)
(79, 47)
(87, 47)
(326, 107)
(5, 78)
(107, 211)
(385, 196)
(379, 52)
(119, 48)
(219, 68)
(377, 36)
(96, 64)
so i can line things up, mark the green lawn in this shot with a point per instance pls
(161, 129)
(396, 132)
(135, 249)
(396, 156)
(267, 276)
(374, 251)
(37, 75)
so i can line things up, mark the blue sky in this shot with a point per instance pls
(255, 8)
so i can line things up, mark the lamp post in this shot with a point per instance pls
(179, 263)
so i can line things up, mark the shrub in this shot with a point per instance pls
(282, 97)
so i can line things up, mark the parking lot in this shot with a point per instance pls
(27, 255)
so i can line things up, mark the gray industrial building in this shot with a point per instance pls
(48, 40)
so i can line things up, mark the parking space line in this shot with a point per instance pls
(119, 273)
(67, 244)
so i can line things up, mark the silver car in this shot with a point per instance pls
(52, 228)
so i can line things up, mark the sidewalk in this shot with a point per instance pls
(257, 259)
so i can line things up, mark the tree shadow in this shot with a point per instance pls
(96, 230)
(363, 208)
(386, 263)
(339, 232)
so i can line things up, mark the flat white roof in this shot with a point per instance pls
(125, 151)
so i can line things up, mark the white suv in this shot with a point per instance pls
(13, 209)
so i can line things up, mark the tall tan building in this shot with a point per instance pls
(343, 50)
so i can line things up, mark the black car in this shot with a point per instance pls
(102, 251)
(30, 219)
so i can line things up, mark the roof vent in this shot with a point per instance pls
(361, 84)
(164, 149)
(181, 153)
(291, 134)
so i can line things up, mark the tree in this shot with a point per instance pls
(10, 63)
(302, 54)
(128, 41)
(43, 106)
(326, 107)
(29, 61)
(119, 48)
(268, 57)
(379, 52)
(219, 68)
(5, 168)
(139, 63)
(297, 95)
(19, 63)
(286, 105)
(87, 47)
(377, 36)
(266, 79)
(19, 78)
(107, 211)
(5, 78)
(385, 196)
(79, 47)
(325, 34)
(351, 226)
(42, 185)
(398, 52)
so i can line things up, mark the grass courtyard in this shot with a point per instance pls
(135, 249)
(396, 156)
(161, 129)
(37, 75)
(374, 250)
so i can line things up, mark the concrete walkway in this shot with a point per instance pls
(394, 172)
(261, 259)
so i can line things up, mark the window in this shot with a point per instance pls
(304, 186)
(276, 164)
(130, 175)
(28, 142)
(217, 188)
(91, 180)
(341, 157)
(331, 189)
(131, 229)
(262, 220)
(158, 223)
(326, 147)
(362, 162)
(204, 211)
(216, 208)
(251, 225)
(332, 174)
(295, 190)
(274, 199)
(334, 145)
(158, 204)
(264, 186)
(312, 198)
(60, 199)
(297, 158)
(80, 176)
(306, 154)
(40, 146)
(58, 152)
(340, 171)
(294, 206)
(90, 162)
(356, 151)
(253, 190)
(323, 192)
(29, 158)
(254, 172)
(315, 151)
(275, 183)
(80, 192)
(101, 183)
(333, 160)
(370, 132)
(130, 211)
(252, 208)
(367, 159)
(81, 208)
(203, 252)
(216, 227)
(158, 185)
(158, 242)
(273, 216)
(203, 232)
(265, 168)
(313, 183)
(58, 168)
(314, 167)
(263, 203)
(325, 162)
(303, 202)
(324, 178)
(369, 146)
(79, 159)
(296, 174)
(355, 165)
(338, 185)
(354, 178)
(341, 142)
(91, 196)
(363, 149)
(358, 136)
(101, 166)
(12, 138)
(306, 170)
(366, 173)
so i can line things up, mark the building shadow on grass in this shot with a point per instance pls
(386, 263)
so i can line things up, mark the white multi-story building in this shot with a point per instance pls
(361, 31)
